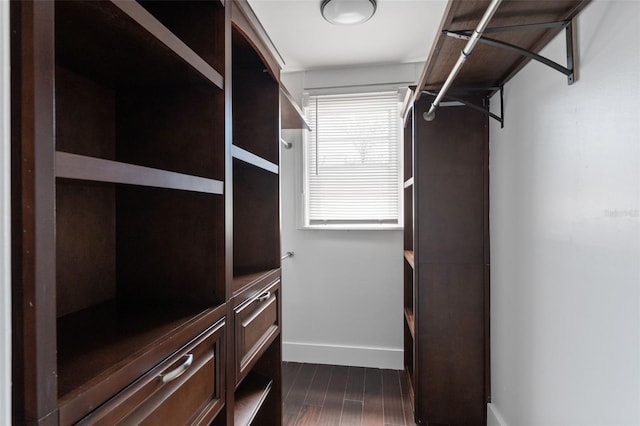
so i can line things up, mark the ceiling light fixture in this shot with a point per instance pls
(347, 12)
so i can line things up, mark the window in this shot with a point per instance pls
(352, 161)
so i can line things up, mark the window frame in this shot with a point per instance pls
(303, 215)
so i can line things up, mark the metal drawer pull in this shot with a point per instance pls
(179, 370)
(264, 296)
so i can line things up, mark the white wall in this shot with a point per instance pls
(342, 291)
(5, 277)
(565, 234)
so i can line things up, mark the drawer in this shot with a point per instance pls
(257, 323)
(187, 388)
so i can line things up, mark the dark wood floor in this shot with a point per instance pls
(322, 395)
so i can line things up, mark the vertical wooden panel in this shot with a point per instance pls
(452, 340)
(34, 288)
(450, 178)
(85, 245)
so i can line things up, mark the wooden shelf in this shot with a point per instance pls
(408, 255)
(200, 24)
(121, 42)
(250, 395)
(488, 65)
(166, 37)
(412, 395)
(243, 279)
(248, 157)
(408, 183)
(73, 166)
(104, 348)
(291, 116)
(409, 317)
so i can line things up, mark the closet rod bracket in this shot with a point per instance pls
(569, 70)
(453, 101)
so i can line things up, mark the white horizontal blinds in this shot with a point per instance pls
(352, 159)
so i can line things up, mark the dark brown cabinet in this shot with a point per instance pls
(146, 254)
(446, 265)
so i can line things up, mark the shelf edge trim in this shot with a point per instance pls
(248, 157)
(80, 167)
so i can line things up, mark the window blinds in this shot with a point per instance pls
(352, 162)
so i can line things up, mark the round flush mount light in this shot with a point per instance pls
(347, 12)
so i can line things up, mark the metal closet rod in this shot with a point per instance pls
(466, 52)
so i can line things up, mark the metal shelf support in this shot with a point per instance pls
(569, 29)
(454, 101)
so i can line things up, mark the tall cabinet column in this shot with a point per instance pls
(446, 274)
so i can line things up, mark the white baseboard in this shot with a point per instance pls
(494, 418)
(356, 356)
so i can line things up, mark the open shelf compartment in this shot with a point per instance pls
(133, 264)
(256, 95)
(199, 24)
(121, 42)
(104, 348)
(256, 229)
(249, 398)
(120, 96)
(408, 219)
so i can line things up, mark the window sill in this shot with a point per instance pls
(351, 227)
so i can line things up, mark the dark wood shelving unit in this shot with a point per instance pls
(117, 125)
(253, 185)
(146, 218)
(446, 281)
(253, 192)
(446, 253)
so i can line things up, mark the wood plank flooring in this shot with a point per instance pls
(325, 395)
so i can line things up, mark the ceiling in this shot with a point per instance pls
(401, 31)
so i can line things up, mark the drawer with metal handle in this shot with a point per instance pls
(257, 323)
(186, 388)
